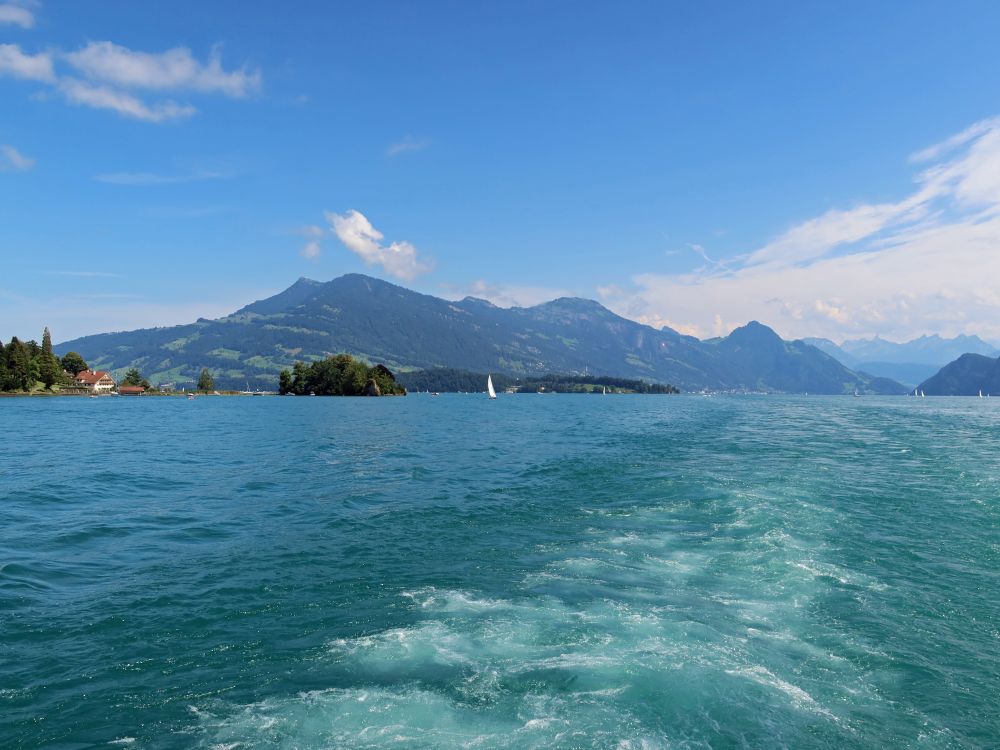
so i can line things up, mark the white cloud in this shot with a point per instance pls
(104, 97)
(925, 263)
(311, 250)
(12, 160)
(173, 70)
(107, 76)
(959, 139)
(406, 145)
(506, 295)
(144, 179)
(17, 64)
(16, 14)
(399, 259)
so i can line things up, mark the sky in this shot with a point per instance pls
(829, 169)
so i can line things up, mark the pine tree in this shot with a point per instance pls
(48, 365)
(4, 372)
(22, 371)
(205, 381)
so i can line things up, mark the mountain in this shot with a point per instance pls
(966, 376)
(910, 362)
(384, 323)
(927, 350)
(828, 347)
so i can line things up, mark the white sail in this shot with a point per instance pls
(489, 386)
(980, 393)
(605, 391)
(921, 394)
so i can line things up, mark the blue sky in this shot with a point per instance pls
(689, 164)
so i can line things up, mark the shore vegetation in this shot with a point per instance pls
(340, 375)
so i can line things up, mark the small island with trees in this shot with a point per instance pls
(340, 375)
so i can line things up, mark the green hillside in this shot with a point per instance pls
(381, 322)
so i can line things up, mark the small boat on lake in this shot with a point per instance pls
(489, 386)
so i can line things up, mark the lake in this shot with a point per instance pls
(537, 571)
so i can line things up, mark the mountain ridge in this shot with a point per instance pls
(406, 330)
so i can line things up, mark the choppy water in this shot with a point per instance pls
(557, 571)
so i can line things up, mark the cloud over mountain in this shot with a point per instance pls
(398, 259)
(898, 268)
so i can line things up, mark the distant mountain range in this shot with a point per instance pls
(385, 323)
(910, 362)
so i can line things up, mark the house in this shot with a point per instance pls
(131, 390)
(97, 382)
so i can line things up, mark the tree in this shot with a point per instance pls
(22, 370)
(134, 377)
(205, 381)
(73, 363)
(48, 365)
(340, 375)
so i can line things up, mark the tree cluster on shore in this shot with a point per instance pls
(446, 379)
(24, 365)
(340, 375)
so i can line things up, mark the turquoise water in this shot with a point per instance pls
(539, 571)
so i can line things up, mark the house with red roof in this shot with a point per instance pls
(98, 382)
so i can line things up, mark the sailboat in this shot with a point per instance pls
(980, 393)
(921, 394)
(605, 391)
(489, 386)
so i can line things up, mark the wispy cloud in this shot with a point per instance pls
(17, 64)
(184, 212)
(174, 70)
(144, 179)
(104, 97)
(920, 264)
(17, 14)
(12, 160)
(312, 249)
(505, 295)
(104, 75)
(399, 259)
(87, 274)
(407, 145)
(107, 296)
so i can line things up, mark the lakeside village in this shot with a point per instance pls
(27, 367)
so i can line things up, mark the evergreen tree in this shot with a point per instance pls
(134, 377)
(205, 380)
(4, 372)
(22, 371)
(48, 365)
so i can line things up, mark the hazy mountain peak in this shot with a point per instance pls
(754, 330)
